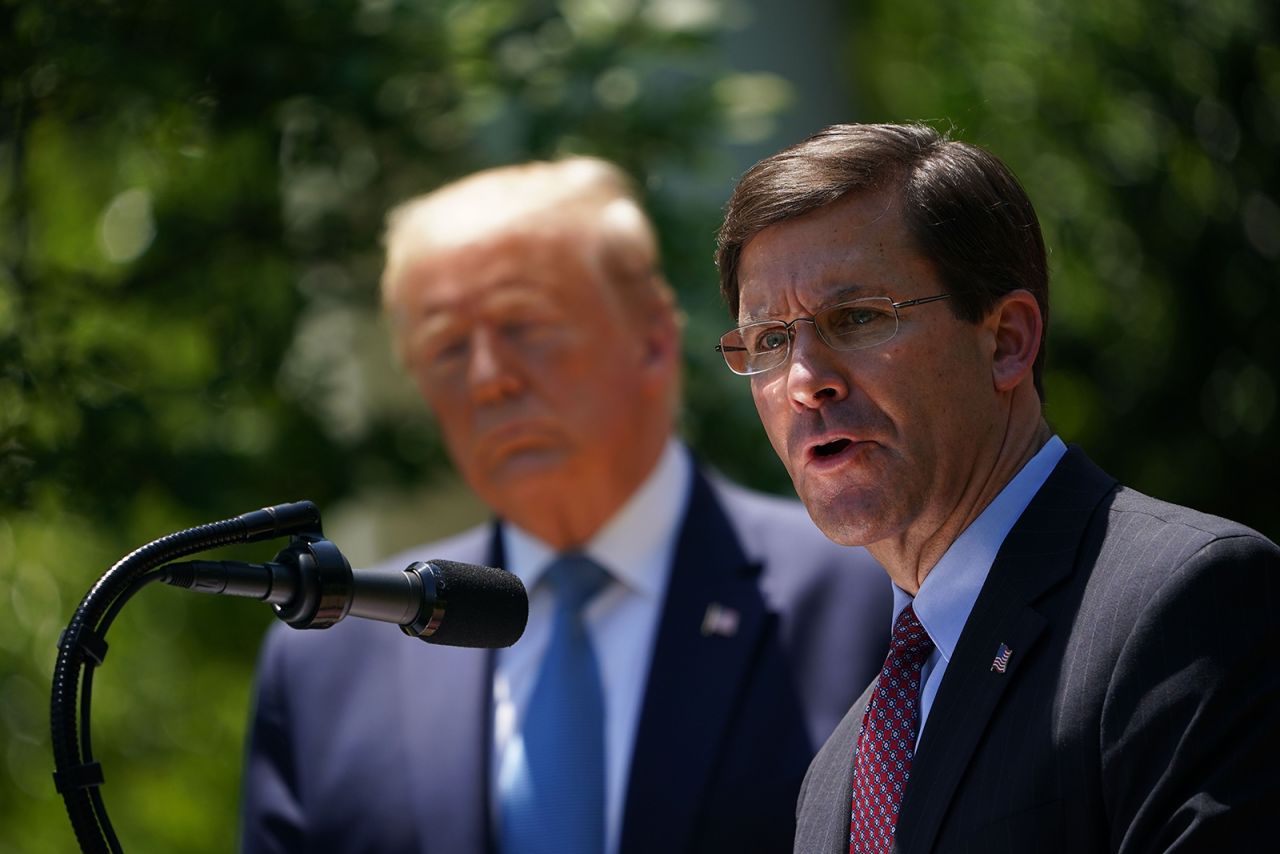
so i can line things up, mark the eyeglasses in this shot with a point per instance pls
(854, 325)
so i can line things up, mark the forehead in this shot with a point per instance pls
(856, 246)
(514, 265)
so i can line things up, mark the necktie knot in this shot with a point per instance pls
(909, 638)
(575, 579)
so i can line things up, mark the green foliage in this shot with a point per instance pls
(191, 198)
(1146, 134)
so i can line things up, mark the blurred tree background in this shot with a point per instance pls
(1148, 136)
(190, 203)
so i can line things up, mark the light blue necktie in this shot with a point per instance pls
(554, 802)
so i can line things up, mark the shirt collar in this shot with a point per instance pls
(632, 542)
(951, 588)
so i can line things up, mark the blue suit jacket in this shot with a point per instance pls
(366, 740)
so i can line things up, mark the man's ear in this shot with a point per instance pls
(1017, 329)
(663, 329)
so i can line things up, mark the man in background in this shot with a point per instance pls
(1075, 667)
(689, 643)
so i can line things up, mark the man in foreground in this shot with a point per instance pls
(1074, 666)
(689, 645)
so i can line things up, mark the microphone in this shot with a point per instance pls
(310, 585)
(445, 602)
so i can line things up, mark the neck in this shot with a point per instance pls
(572, 514)
(908, 559)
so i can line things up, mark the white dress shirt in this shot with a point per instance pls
(951, 588)
(636, 546)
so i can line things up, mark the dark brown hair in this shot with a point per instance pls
(964, 209)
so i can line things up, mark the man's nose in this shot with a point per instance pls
(815, 372)
(491, 370)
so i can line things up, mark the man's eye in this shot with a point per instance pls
(768, 339)
(527, 331)
(441, 349)
(516, 330)
(452, 348)
(850, 320)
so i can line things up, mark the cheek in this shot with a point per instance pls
(760, 395)
(450, 410)
(948, 405)
(771, 404)
(432, 393)
(586, 397)
(563, 363)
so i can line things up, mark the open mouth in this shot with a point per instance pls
(830, 449)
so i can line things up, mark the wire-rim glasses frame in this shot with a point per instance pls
(754, 348)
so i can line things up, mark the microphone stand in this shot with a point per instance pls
(325, 584)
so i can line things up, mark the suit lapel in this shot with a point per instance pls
(447, 717)
(1038, 554)
(820, 812)
(710, 625)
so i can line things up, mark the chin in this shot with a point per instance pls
(848, 520)
(549, 469)
(534, 462)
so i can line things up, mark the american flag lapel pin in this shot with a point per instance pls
(1001, 662)
(720, 620)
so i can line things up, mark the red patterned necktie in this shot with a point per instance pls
(887, 739)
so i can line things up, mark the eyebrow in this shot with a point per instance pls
(500, 298)
(844, 293)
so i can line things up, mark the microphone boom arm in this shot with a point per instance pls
(82, 646)
(309, 585)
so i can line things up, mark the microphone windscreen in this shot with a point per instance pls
(482, 606)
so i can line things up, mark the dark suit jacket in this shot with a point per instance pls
(366, 740)
(1141, 705)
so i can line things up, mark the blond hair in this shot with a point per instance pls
(586, 196)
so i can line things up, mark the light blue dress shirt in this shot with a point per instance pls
(636, 546)
(951, 588)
